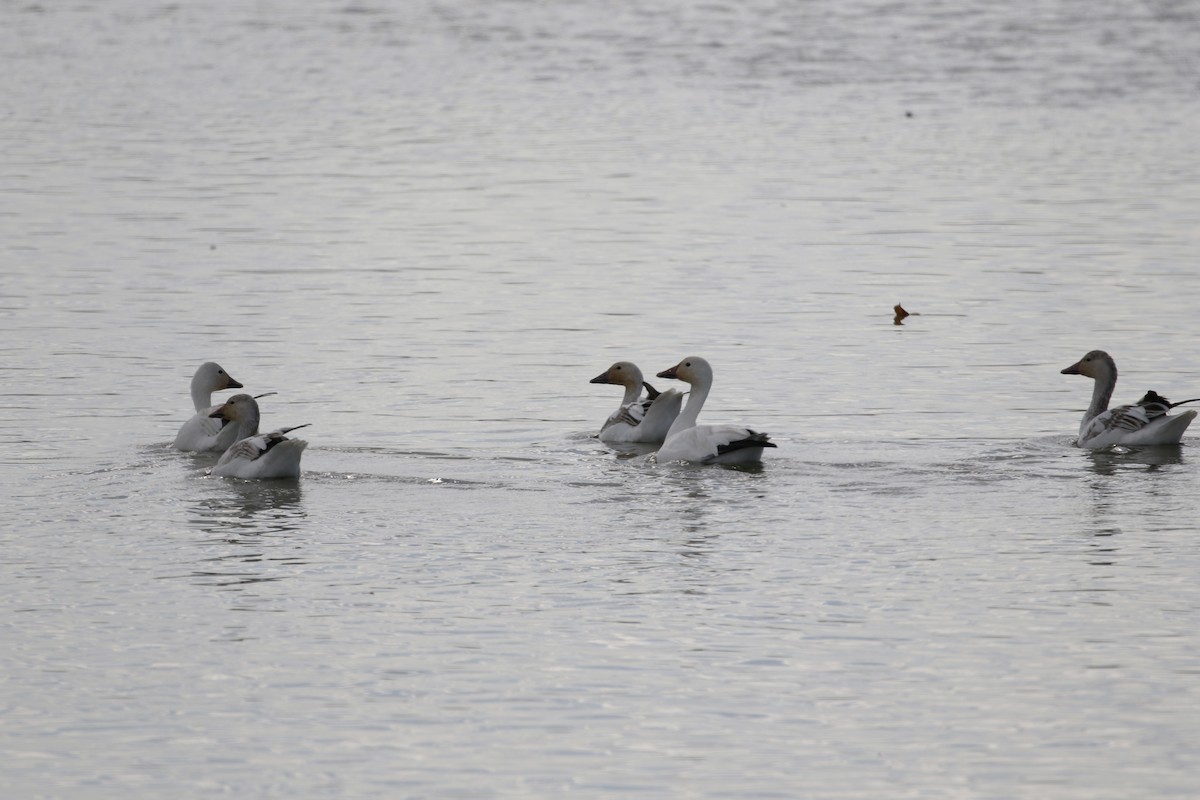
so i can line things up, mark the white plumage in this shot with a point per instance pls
(706, 444)
(254, 454)
(1145, 423)
(638, 420)
(202, 431)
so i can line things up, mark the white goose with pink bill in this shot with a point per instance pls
(706, 444)
(1145, 423)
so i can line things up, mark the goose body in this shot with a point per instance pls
(638, 420)
(1145, 423)
(254, 454)
(706, 444)
(203, 432)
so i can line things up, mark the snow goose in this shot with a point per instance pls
(1144, 423)
(254, 454)
(706, 444)
(646, 420)
(202, 432)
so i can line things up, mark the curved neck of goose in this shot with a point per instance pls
(248, 424)
(1102, 392)
(691, 410)
(201, 396)
(632, 391)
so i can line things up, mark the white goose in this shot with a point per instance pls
(706, 444)
(637, 420)
(1145, 423)
(202, 432)
(254, 454)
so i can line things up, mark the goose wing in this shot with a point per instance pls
(255, 447)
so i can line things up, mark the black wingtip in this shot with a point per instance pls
(755, 439)
(651, 392)
(1154, 397)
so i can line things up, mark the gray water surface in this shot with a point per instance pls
(426, 226)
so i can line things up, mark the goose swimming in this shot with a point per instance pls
(254, 454)
(638, 420)
(1144, 423)
(706, 444)
(202, 432)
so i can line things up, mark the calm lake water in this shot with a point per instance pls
(427, 226)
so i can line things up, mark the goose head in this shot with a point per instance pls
(622, 373)
(693, 370)
(237, 408)
(1097, 365)
(210, 377)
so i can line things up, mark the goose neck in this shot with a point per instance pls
(201, 395)
(1102, 392)
(248, 425)
(691, 410)
(632, 391)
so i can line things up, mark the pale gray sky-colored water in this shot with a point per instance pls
(426, 226)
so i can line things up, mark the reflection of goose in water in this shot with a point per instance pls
(706, 444)
(251, 508)
(1145, 423)
(253, 532)
(1117, 459)
(645, 420)
(257, 455)
(202, 432)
